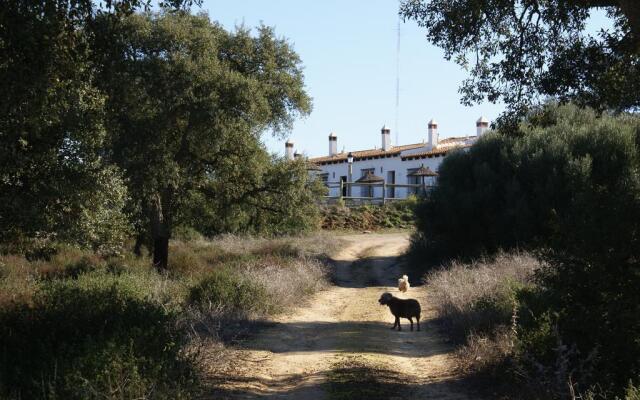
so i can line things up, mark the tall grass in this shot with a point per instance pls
(476, 302)
(473, 297)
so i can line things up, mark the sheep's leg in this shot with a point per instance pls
(399, 327)
(411, 320)
(395, 322)
(418, 322)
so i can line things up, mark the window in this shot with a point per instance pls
(391, 179)
(324, 178)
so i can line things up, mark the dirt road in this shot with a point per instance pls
(341, 345)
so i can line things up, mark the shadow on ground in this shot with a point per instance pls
(348, 336)
(371, 272)
(352, 382)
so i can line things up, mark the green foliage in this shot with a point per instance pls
(269, 196)
(521, 51)
(54, 181)
(230, 291)
(187, 104)
(571, 183)
(394, 215)
(592, 307)
(92, 338)
(112, 119)
(571, 186)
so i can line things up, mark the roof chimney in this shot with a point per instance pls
(386, 138)
(432, 141)
(288, 150)
(482, 125)
(333, 144)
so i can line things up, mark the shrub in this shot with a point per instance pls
(97, 338)
(394, 215)
(235, 294)
(478, 297)
(570, 183)
(593, 310)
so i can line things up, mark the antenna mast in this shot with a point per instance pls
(397, 81)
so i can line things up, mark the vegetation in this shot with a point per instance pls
(393, 215)
(522, 51)
(570, 183)
(187, 102)
(478, 297)
(80, 325)
(570, 189)
(117, 123)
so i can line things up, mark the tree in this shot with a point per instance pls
(185, 100)
(269, 195)
(521, 51)
(569, 183)
(53, 181)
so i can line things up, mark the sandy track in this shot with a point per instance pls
(292, 359)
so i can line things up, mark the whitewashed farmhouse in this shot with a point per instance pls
(415, 164)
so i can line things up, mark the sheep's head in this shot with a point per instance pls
(385, 298)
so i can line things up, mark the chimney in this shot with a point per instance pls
(482, 125)
(288, 147)
(386, 138)
(333, 144)
(432, 142)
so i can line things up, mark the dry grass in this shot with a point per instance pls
(286, 271)
(458, 288)
(476, 303)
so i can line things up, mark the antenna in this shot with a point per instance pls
(397, 81)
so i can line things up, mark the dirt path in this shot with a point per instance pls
(341, 344)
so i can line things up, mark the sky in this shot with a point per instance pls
(348, 50)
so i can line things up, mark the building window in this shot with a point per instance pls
(391, 179)
(324, 178)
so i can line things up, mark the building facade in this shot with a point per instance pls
(394, 164)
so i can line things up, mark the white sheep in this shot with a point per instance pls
(403, 284)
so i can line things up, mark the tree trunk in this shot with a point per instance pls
(137, 248)
(161, 253)
(161, 229)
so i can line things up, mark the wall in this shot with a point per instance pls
(382, 166)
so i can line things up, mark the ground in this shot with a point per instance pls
(340, 345)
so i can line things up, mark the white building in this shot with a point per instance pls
(395, 164)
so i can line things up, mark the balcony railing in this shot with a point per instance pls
(347, 187)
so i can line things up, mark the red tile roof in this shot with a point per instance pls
(393, 152)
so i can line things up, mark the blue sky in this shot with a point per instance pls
(348, 49)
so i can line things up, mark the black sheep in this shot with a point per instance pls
(401, 308)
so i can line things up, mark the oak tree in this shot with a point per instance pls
(185, 99)
(522, 52)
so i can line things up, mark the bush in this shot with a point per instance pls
(571, 183)
(591, 309)
(571, 186)
(476, 298)
(99, 338)
(478, 305)
(231, 292)
(394, 215)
